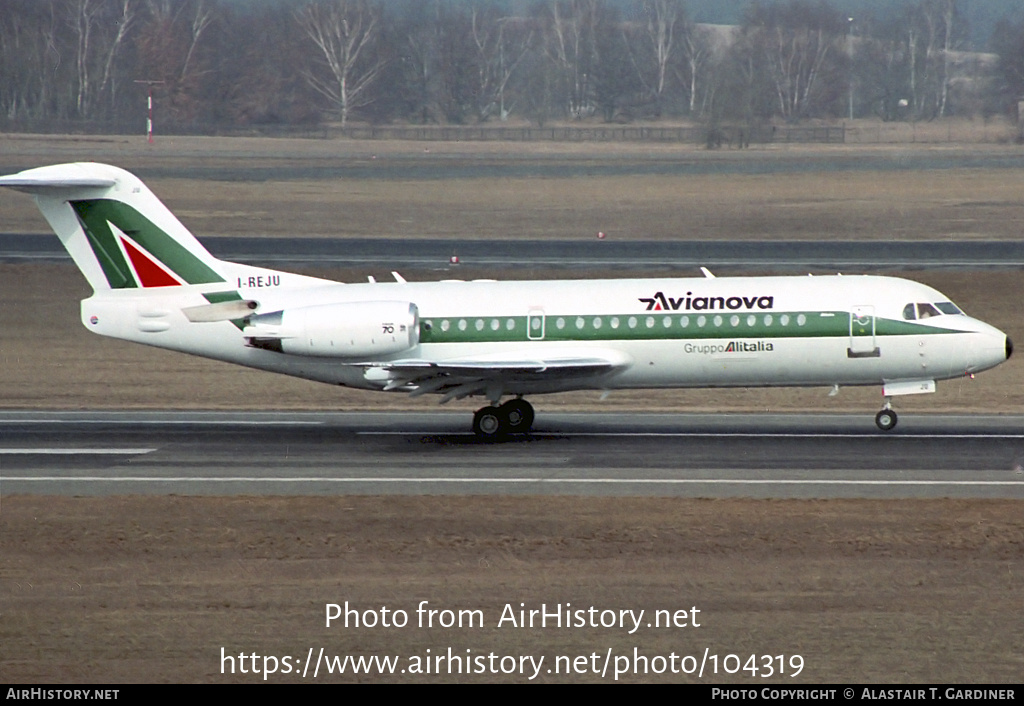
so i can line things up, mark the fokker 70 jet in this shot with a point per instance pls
(154, 283)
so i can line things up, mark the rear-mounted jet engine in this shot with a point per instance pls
(351, 330)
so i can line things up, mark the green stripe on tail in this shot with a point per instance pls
(96, 215)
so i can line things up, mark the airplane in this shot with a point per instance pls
(154, 283)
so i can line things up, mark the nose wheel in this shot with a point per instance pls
(886, 419)
(496, 422)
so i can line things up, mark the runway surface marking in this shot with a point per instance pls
(56, 451)
(561, 481)
(170, 422)
(716, 434)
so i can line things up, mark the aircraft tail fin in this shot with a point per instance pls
(116, 230)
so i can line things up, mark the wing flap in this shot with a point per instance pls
(461, 377)
(502, 367)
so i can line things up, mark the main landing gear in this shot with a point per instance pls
(495, 422)
(886, 419)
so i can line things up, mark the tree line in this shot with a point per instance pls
(224, 63)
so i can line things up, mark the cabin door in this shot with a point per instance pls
(862, 333)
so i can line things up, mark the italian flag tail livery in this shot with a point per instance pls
(119, 234)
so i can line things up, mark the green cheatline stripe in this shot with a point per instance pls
(661, 326)
(96, 214)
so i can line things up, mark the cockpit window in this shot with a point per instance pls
(921, 310)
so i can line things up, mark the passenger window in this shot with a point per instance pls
(927, 311)
(908, 312)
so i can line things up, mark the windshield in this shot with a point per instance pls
(924, 310)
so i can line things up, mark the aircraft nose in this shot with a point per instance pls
(1009, 347)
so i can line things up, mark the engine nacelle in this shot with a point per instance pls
(349, 330)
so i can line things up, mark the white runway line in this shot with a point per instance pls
(714, 434)
(547, 481)
(169, 422)
(52, 451)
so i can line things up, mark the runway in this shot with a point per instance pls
(684, 455)
(780, 255)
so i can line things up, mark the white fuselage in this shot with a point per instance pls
(707, 332)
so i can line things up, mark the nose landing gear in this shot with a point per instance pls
(886, 419)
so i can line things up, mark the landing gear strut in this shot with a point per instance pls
(514, 417)
(886, 419)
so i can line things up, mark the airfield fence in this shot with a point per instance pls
(963, 131)
(732, 136)
(723, 136)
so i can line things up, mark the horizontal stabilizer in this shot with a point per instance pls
(61, 176)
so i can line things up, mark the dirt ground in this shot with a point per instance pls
(125, 590)
(133, 589)
(810, 202)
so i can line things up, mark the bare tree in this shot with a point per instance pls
(700, 49)
(435, 46)
(942, 17)
(201, 19)
(741, 88)
(798, 45)
(124, 17)
(662, 19)
(98, 29)
(34, 73)
(1008, 44)
(169, 39)
(501, 44)
(257, 86)
(456, 68)
(882, 66)
(82, 20)
(343, 31)
(569, 42)
(417, 49)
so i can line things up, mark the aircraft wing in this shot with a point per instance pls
(460, 377)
